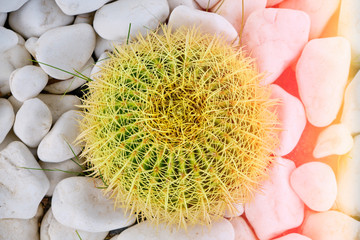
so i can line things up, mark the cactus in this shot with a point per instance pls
(178, 127)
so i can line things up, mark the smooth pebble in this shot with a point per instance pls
(79, 204)
(189, 3)
(275, 38)
(21, 189)
(75, 7)
(58, 145)
(276, 208)
(271, 3)
(242, 230)
(7, 118)
(27, 82)
(3, 17)
(321, 73)
(8, 39)
(13, 5)
(293, 236)
(237, 209)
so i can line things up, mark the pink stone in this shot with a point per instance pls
(291, 114)
(293, 236)
(321, 74)
(232, 10)
(315, 184)
(319, 11)
(275, 37)
(276, 208)
(271, 3)
(242, 229)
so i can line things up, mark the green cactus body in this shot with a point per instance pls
(179, 127)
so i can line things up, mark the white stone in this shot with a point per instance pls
(85, 18)
(53, 230)
(59, 104)
(103, 45)
(271, 3)
(95, 71)
(36, 17)
(275, 38)
(189, 3)
(79, 204)
(7, 118)
(65, 86)
(13, 5)
(13, 58)
(67, 48)
(351, 111)
(75, 7)
(319, 11)
(207, 22)
(27, 82)
(348, 198)
(292, 117)
(293, 236)
(231, 10)
(321, 74)
(10, 137)
(8, 39)
(242, 229)
(276, 208)
(30, 45)
(331, 225)
(21, 190)
(237, 209)
(349, 27)
(16, 104)
(21, 229)
(58, 145)
(335, 139)
(315, 184)
(56, 172)
(3, 17)
(219, 230)
(32, 122)
(207, 4)
(112, 21)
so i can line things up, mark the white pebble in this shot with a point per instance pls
(7, 118)
(8, 39)
(207, 22)
(85, 18)
(292, 117)
(79, 204)
(65, 86)
(112, 21)
(236, 210)
(21, 190)
(36, 17)
(67, 48)
(275, 38)
(276, 208)
(348, 27)
(207, 4)
(335, 139)
(315, 184)
(58, 145)
(13, 5)
(10, 137)
(58, 171)
(3, 17)
(293, 236)
(351, 112)
(189, 3)
(59, 104)
(53, 230)
(21, 229)
(32, 122)
(30, 45)
(144, 231)
(321, 74)
(13, 58)
(16, 104)
(331, 225)
(232, 11)
(319, 11)
(348, 198)
(27, 82)
(242, 229)
(75, 7)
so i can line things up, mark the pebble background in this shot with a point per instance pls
(310, 50)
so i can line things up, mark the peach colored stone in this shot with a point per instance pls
(242, 229)
(271, 3)
(319, 11)
(275, 38)
(291, 114)
(321, 74)
(276, 208)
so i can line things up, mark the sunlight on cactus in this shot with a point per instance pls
(178, 127)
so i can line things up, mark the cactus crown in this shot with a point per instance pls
(178, 126)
